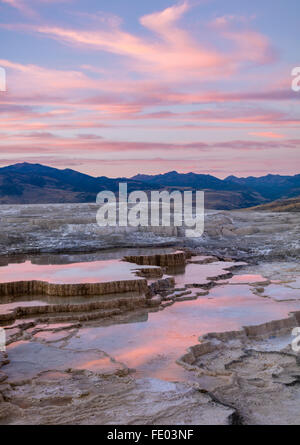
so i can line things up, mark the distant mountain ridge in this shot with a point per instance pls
(186, 180)
(269, 187)
(28, 183)
(35, 183)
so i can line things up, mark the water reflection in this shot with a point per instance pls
(149, 342)
(153, 347)
(75, 273)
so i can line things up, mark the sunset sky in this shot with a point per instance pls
(121, 87)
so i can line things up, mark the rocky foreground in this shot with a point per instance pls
(65, 228)
(58, 369)
(253, 370)
(44, 377)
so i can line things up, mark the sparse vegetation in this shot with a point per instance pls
(281, 205)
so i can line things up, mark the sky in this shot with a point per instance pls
(115, 88)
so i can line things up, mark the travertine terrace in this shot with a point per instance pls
(60, 227)
(173, 259)
(77, 347)
(99, 299)
(254, 370)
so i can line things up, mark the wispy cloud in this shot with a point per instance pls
(125, 91)
(267, 134)
(171, 51)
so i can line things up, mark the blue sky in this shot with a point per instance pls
(120, 87)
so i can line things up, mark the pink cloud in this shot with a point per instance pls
(28, 7)
(21, 6)
(36, 78)
(171, 51)
(94, 144)
(252, 46)
(268, 134)
(222, 165)
(180, 82)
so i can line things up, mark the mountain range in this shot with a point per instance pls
(35, 183)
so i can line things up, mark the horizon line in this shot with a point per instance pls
(147, 174)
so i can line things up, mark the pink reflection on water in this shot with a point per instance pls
(247, 279)
(152, 347)
(52, 336)
(76, 273)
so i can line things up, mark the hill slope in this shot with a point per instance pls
(270, 187)
(191, 180)
(281, 205)
(35, 183)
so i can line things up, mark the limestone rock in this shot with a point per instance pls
(114, 401)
